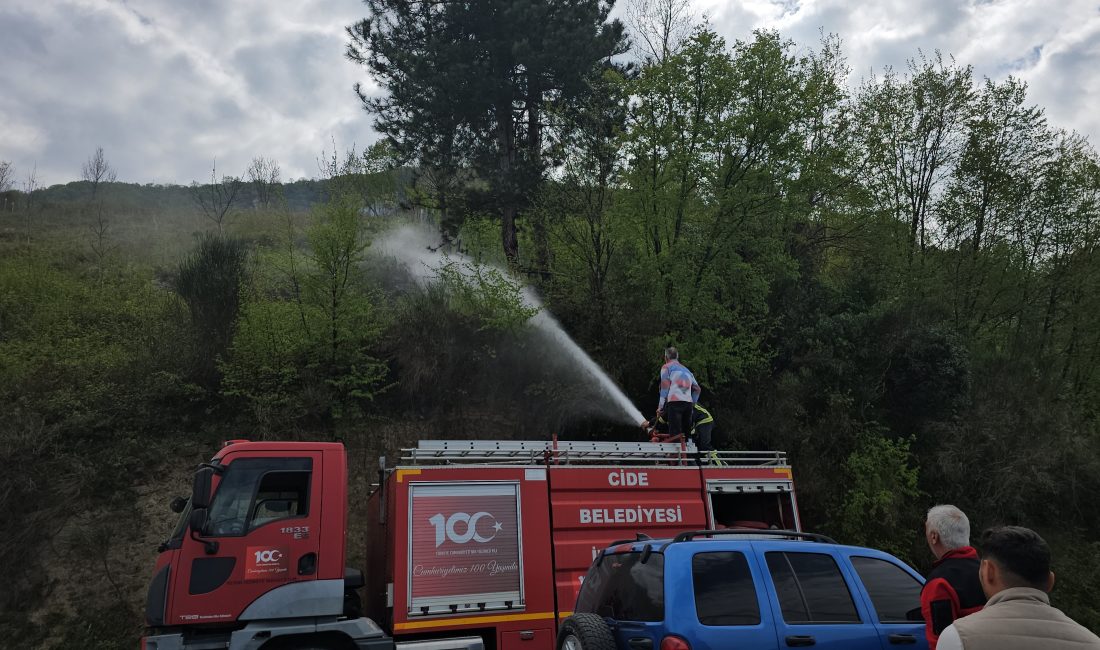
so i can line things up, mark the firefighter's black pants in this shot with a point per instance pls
(702, 436)
(678, 415)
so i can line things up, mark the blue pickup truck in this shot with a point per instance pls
(711, 590)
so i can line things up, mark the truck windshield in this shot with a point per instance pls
(256, 491)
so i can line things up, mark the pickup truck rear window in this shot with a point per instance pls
(811, 588)
(624, 588)
(724, 591)
(892, 590)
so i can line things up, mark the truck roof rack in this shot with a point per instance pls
(689, 535)
(575, 451)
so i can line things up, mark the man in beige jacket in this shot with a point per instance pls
(1016, 576)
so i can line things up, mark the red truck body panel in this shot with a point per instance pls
(457, 576)
(453, 567)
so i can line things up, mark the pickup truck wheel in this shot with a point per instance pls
(585, 632)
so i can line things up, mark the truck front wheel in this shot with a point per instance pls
(585, 632)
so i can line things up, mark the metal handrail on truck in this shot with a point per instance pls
(576, 451)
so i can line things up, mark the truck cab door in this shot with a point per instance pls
(261, 533)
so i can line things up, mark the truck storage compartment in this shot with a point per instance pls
(752, 504)
(447, 573)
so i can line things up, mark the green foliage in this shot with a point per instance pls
(1076, 566)
(484, 296)
(881, 499)
(304, 346)
(899, 286)
(928, 378)
(93, 380)
(462, 342)
(266, 367)
(72, 347)
(209, 282)
(467, 86)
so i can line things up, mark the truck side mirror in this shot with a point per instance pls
(178, 504)
(201, 487)
(197, 520)
(200, 501)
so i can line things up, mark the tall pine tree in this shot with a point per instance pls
(467, 87)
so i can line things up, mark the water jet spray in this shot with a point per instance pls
(413, 248)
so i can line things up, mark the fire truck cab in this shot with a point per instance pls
(472, 544)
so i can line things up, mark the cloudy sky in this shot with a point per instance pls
(165, 86)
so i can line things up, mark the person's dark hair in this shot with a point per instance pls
(1020, 552)
(671, 353)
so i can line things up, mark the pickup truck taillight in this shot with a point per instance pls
(674, 643)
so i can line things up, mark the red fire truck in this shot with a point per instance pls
(472, 544)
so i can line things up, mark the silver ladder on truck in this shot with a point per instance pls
(565, 452)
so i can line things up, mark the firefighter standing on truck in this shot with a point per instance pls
(702, 426)
(678, 394)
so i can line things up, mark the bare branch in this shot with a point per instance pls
(30, 186)
(97, 170)
(216, 198)
(659, 27)
(265, 177)
(7, 175)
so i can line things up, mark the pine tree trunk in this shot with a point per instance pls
(506, 145)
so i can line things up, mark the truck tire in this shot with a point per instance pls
(353, 604)
(585, 632)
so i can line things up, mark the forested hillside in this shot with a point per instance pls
(896, 282)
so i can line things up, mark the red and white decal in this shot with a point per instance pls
(266, 562)
(465, 541)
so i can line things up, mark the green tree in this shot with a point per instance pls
(913, 132)
(210, 281)
(579, 209)
(307, 336)
(988, 202)
(337, 243)
(462, 341)
(880, 502)
(716, 138)
(468, 86)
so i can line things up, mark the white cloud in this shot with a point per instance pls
(165, 87)
(1055, 47)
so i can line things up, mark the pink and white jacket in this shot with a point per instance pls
(677, 384)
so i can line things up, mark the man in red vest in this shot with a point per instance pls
(953, 589)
